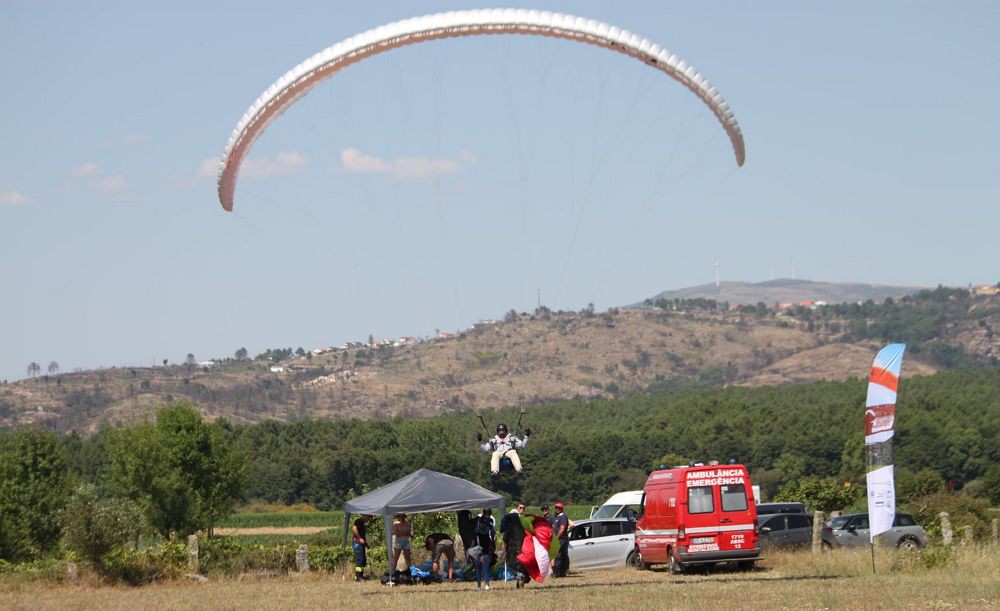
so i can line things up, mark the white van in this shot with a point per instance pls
(621, 505)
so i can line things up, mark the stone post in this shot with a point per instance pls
(967, 536)
(193, 553)
(817, 546)
(996, 532)
(945, 528)
(72, 572)
(302, 559)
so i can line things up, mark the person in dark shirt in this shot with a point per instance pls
(513, 539)
(485, 547)
(560, 530)
(359, 541)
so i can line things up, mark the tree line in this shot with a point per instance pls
(181, 474)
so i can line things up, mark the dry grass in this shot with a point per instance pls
(785, 580)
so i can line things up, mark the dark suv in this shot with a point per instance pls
(785, 529)
(767, 508)
(852, 531)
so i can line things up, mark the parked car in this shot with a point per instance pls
(785, 529)
(852, 531)
(763, 508)
(602, 544)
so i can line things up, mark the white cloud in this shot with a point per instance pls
(109, 184)
(13, 198)
(286, 162)
(403, 168)
(85, 169)
(353, 160)
(209, 167)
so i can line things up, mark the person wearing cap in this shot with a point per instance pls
(560, 529)
(547, 515)
(502, 445)
(359, 541)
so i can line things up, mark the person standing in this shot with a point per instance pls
(560, 530)
(513, 539)
(359, 541)
(401, 532)
(485, 547)
(548, 516)
(437, 544)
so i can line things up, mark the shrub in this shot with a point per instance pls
(231, 557)
(331, 557)
(136, 567)
(963, 510)
(48, 569)
(819, 494)
(934, 556)
(94, 526)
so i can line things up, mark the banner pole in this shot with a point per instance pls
(872, 545)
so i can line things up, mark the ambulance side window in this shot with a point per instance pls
(700, 500)
(734, 497)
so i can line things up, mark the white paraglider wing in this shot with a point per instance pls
(298, 81)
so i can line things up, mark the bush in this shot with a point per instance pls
(331, 557)
(934, 556)
(819, 494)
(94, 526)
(963, 510)
(49, 569)
(230, 557)
(991, 484)
(136, 567)
(913, 485)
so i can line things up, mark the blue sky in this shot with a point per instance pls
(499, 169)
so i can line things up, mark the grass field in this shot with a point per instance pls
(970, 578)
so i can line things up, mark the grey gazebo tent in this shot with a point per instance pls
(420, 492)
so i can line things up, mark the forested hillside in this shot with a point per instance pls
(948, 432)
(532, 360)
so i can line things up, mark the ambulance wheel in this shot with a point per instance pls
(675, 565)
(635, 560)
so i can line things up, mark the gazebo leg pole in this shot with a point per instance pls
(388, 545)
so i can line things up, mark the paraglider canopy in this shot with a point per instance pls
(300, 80)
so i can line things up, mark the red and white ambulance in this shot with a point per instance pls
(699, 514)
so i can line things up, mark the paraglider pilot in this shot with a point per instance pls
(503, 445)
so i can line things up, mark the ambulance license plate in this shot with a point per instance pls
(699, 540)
